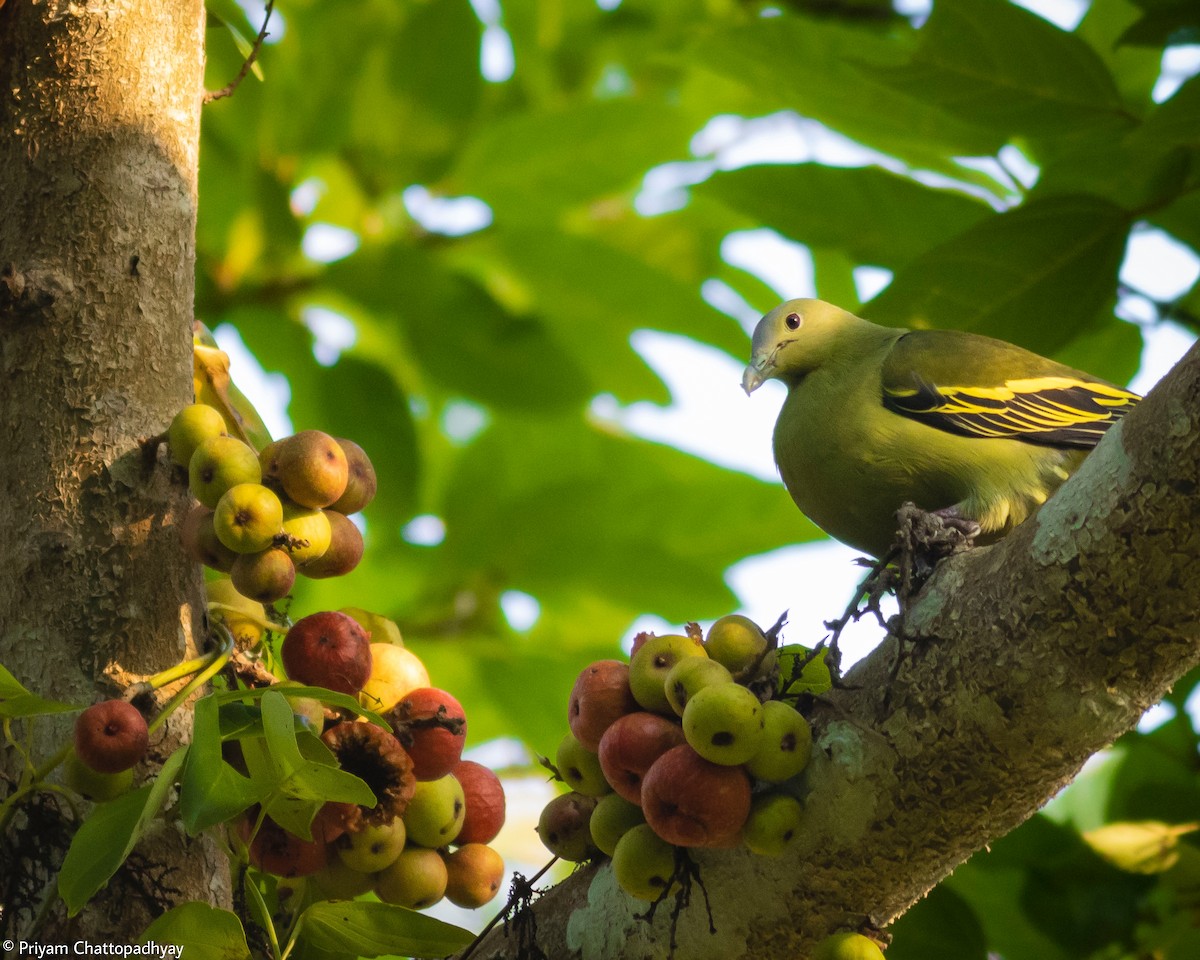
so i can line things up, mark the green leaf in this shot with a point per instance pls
(876, 217)
(110, 833)
(363, 929)
(325, 695)
(843, 84)
(1035, 275)
(293, 787)
(211, 791)
(502, 358)
(1175, 122)
(204, 932)
(942, 926)
(1142, 846)
(1135, 70)
(583, 284)
(529, 165)
(1000, 65)
(16, 701)
(1164, 22)
(585, 533)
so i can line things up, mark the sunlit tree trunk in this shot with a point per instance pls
(99, 136)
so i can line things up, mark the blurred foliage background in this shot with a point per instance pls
(447, 263)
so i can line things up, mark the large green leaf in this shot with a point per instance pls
(1035, 275)
(1135, 70)
(1176, 122)
(1000, 65)
(16, 701)
(941, 927)
(293, 786)
(363, 929)
(831, 73)
(594, 295)
(109, 835)
(204, 932)
(1164, 22)
(532, 164)
(874, 216)
(211, 791)
(502, 358)
(640, 523)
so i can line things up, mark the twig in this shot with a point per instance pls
(229, 88)
(522, 889)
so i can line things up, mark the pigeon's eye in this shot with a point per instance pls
(793, 321)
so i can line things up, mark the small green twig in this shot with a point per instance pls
(216, 662)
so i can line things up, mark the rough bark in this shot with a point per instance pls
(1019, 661)
(99, 139)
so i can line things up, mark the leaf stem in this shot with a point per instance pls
(216, 661)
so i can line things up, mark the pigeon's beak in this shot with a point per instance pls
(759, 370)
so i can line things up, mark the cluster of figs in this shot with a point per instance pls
(259, 518)
(694, 743)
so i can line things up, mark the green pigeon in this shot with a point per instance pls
(976, 430)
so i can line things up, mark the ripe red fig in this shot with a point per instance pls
(276, 851)
(484, 796)
(432, 727)
(691, 802)
(631, 745)
(601, 694)
(328, 650)
(111, 736)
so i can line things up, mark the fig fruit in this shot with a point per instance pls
(248, 517)
(580, 768)
(218, 464)
(484, 797)
(738, 643)
(344, 552)
(360, 483)
(432, 726)
(192, 425)
(312, 468)
(601, 694)
(474, 874)
(643, 863)
(328, 650)
(435, 813)
(786, 744)
(691, 802)
(650, 665)
(724, 723)
(631, 745)
(417, 879)
(563, 827)
(395, 672)
(111, 736)
(265, 576)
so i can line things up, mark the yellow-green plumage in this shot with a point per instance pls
(878, 416)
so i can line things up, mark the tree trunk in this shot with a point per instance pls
(100, 119)
(1018, 662)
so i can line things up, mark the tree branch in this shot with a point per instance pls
(1021, 660)
(229, 88)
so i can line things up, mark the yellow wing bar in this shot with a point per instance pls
(1059, 411)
